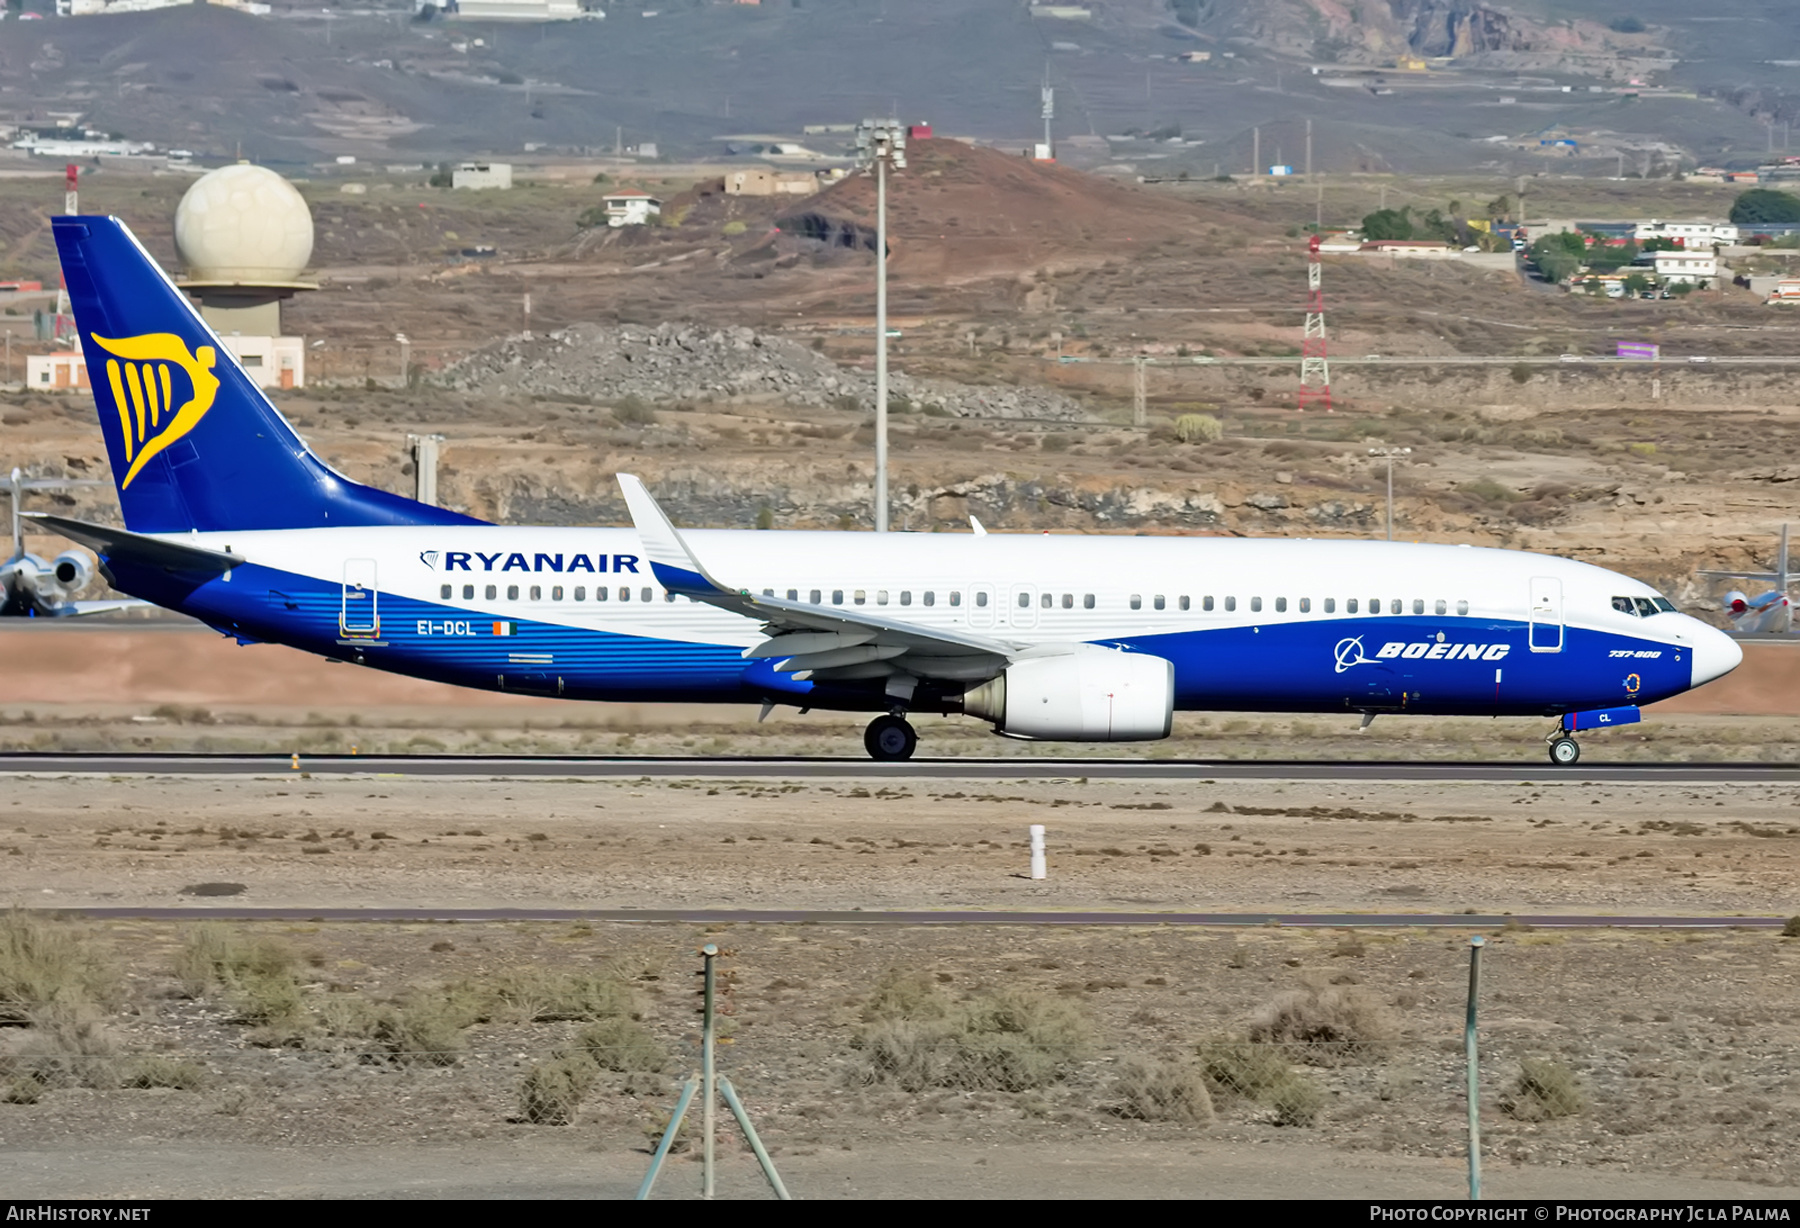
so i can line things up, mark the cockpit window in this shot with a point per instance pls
(1665, 605)
(1646, 607)
(1624, 606)
(1643, 607)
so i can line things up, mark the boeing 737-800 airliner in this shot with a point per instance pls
(231, 519)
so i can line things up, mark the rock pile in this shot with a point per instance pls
(676, 362)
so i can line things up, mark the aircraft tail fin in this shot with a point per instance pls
(194, 443)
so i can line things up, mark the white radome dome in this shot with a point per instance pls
(243, 224)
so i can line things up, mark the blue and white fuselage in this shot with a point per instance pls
(231, 519)
(1263, 625)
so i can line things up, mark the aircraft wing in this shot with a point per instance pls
(80, 609)
(829, 642)
(137, 548)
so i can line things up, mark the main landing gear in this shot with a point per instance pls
(890, 739)
(1564, 750)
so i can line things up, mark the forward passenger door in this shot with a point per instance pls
(1546, 633)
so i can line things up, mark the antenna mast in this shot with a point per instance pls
(1315, 371)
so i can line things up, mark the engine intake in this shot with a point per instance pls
(1086, 694)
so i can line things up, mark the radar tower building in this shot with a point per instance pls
(244, 235)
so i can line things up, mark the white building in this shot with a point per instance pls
(767, 181)
(631, 208)
(516, 10)
(1688, 234)
(65, 371)
(1692, 267)
(273, 362)
(479, 175)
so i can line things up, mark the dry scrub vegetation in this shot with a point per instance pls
(413, 1033)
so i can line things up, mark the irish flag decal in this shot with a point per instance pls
(506, 628)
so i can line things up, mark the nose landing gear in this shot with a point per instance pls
(1564, 750)
(889, 739)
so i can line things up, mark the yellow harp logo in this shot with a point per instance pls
(141, 375)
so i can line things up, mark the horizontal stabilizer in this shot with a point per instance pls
(131, 547)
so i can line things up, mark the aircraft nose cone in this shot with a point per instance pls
(1715, 654)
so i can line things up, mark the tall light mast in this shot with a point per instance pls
(878, 143)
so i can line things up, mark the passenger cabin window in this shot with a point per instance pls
(1137, 601)
(512, 592)
(906, 596)
(1024, 600)
(1230, 604)
(1394, 606)
(930, 597)
(816, 595)
(444, 591)
(537, 593)
(1206, 603)
(793, 594)
(1462, 607)
(1047, 600)
(1184, 603)
(862, 596)
(580, 592)
(669, 597)
(1350, 606)
(1068, 601)
(600, 593)
(1087, 601)
(491, 592)
(468, 592)
(1281, 605)
(1256, 605)
(1306, 605)
(1331, 605)
(1418, 605)
(837, 596)
(1157, 601)
(644, 594)
(624, 594)
(556, 593)
(881, 596)
(1442, 606)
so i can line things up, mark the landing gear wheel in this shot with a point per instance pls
(1564, 752)
(890, 739)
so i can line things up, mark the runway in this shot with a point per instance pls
(1527, 770)
(741, 916)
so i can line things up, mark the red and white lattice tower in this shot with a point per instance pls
(1315, 371)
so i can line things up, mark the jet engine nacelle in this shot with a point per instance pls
(1084, 694)
(71, 571)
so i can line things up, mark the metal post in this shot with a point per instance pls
(668, 1138)
(404, 345)
(1474, 1066)
(1255, 153)
(1390, 499)
(762, 1155)
(881, 340)
(1140, 412)
(1390, 455)
(1038, 867)
(708, 1076)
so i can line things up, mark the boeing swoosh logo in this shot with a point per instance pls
(1350, 652)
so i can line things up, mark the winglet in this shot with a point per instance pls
(674, 564)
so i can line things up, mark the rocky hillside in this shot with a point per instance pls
(674, 363)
